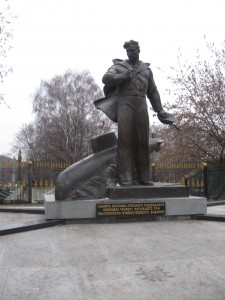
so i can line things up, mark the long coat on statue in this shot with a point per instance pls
(125, 103)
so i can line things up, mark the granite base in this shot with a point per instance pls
(86, 209)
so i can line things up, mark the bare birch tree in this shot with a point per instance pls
(66, 119)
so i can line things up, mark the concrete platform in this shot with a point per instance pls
(86, 209)
(116, 261)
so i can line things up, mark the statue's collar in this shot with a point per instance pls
(125, 63)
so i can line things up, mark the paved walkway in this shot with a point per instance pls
(168, 260)
(217, 210)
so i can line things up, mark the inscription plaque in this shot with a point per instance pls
(130, 209)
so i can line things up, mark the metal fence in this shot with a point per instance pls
(26, 183)
(175, 173)
(200, 179)
(216, 184)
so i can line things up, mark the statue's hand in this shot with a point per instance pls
(162, 113)
(128, 75)
(165, 117)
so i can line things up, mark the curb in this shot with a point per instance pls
(217, 218)
(26, 210)
(216, 203)
(27, 226)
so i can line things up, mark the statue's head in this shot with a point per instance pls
(133, 50)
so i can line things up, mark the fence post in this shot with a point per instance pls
(205, 176)
(186, 183)
(19, 174)
(153, 172)
(29, 182)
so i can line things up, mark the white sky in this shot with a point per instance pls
(52, 36)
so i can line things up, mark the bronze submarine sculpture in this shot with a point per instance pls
(89, 177)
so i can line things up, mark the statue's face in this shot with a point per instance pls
(133, 53)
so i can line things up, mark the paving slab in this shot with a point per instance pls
(7, 218)
(217, 210)
(166, 260)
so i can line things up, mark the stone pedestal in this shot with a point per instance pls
(136, 203)
(158, 190)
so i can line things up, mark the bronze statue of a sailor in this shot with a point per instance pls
(127, 83)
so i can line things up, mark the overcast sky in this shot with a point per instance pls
(51, 36)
